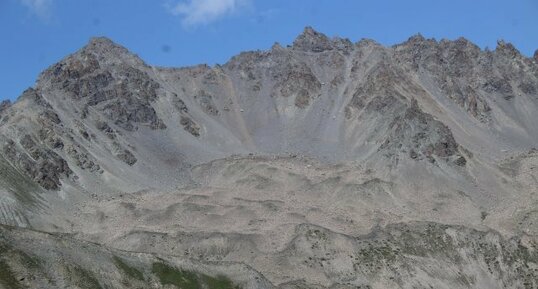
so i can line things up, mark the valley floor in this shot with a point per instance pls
(261, 222)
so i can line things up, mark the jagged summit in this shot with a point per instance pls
(103, 45)
(101, 41)
(431, 43)
(99, 54)
(313, 41)
(507, 48)
(462, 43)
(107, 51)
(417, 38)
(276, 46)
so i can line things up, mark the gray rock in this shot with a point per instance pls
(127, 157)
(190, 126)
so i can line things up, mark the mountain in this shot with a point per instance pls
(323, 164)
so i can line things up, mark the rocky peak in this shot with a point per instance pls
(99, 55)
(416, 46)
(312, 41)
(276, 46)
(103, 45)
(4, 105)
(106, 53)
(506, 48)
(536, 55)
(460, 51)
(462, 43)
(367, 42)
(419, 40)
(33, 96)
(101, 41)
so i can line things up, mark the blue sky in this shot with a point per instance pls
(38, 33)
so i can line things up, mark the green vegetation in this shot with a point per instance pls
(189, 280)
(219, 282)
(7, 277)
(376, 255)
(83, 278)
(4, 248)
(128, 270)
(430, 240)
(27, 261)
(8, 252)
(173, 276)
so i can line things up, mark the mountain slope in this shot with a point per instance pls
(349, 138)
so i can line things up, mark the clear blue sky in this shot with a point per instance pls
(37, 33)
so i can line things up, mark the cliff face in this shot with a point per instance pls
(345, 137)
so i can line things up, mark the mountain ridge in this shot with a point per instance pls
(278, 156)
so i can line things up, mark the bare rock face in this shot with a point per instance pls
(127, 157)
(34, 154)
(43, 165)
(296, 167)
(452, 65)
(106, 129)
(378, 93)
(419, 134)
(180, 104)
(206, 102)
(4, 105)
(297, 81)
(82, 159)
(124, 97)
(190, 126)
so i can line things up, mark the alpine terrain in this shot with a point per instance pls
(321, 164)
